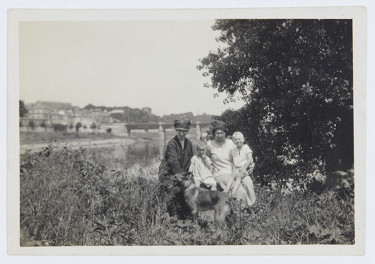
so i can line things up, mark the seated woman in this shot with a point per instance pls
(219, 151)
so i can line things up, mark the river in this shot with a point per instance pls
(114, 151)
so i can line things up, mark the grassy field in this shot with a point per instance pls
(72, 197)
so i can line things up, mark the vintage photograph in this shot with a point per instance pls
(187, 132)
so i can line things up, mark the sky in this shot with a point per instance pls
(119, 63)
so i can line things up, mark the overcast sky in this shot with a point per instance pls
(119, 63)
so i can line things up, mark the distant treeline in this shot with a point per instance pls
(145, 115)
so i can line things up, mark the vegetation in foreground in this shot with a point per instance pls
(71, 197)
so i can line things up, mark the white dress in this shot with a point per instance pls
(221, 157)
(240, 156)
(222, 160)
(200, 170)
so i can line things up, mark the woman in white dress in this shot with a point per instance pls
(219, 152)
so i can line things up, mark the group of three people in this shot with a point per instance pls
(220, 162)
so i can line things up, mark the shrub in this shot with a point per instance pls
(78, 126)
(59, 127)
(108, 130)
(71, 197)
(32, 124)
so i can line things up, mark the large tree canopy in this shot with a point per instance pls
(296, 78)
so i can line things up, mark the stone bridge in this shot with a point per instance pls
(162, 128)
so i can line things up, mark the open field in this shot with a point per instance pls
(76, 197)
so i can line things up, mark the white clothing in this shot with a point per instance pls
(240, 156)
(209, 182)
(221, 157)
(199, 168)
(222, 160)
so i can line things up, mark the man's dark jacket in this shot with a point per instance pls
(176, 158)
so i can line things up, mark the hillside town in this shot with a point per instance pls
(50, 116)
(62, 116)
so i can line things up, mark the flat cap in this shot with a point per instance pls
(182, 124)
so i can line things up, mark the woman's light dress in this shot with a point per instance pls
(222, 160)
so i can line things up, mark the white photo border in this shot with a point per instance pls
(358, 14)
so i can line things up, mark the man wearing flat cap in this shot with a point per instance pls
(177, 158)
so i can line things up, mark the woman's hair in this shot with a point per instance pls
(219, 128)
(218, 125)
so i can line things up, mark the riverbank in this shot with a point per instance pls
(50, 137)
(37, 141)
(70, 198)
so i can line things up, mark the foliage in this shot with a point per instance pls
(78, 126)
(59, 127)
(43, 124)
(31, 124)
(22, 109)
(145, 115)
(93, 125)
(203, 118)
(71, 197)
(108, 130)
(296, 79)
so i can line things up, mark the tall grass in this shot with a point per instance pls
(72, 197)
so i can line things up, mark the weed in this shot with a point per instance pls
(74, 197)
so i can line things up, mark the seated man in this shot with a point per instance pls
(177, 158)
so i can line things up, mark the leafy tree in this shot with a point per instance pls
(78, 126)
(93, 125)
(89, 107)
(296, 79)
(43, 124)
(32, 124)
(59, 127)
(22, 109)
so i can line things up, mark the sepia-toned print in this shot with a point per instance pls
(187, 132)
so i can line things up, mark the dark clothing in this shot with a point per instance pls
(176, 159)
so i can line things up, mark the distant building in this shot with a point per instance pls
(48, 114)
(117, 111)
(99, 115)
